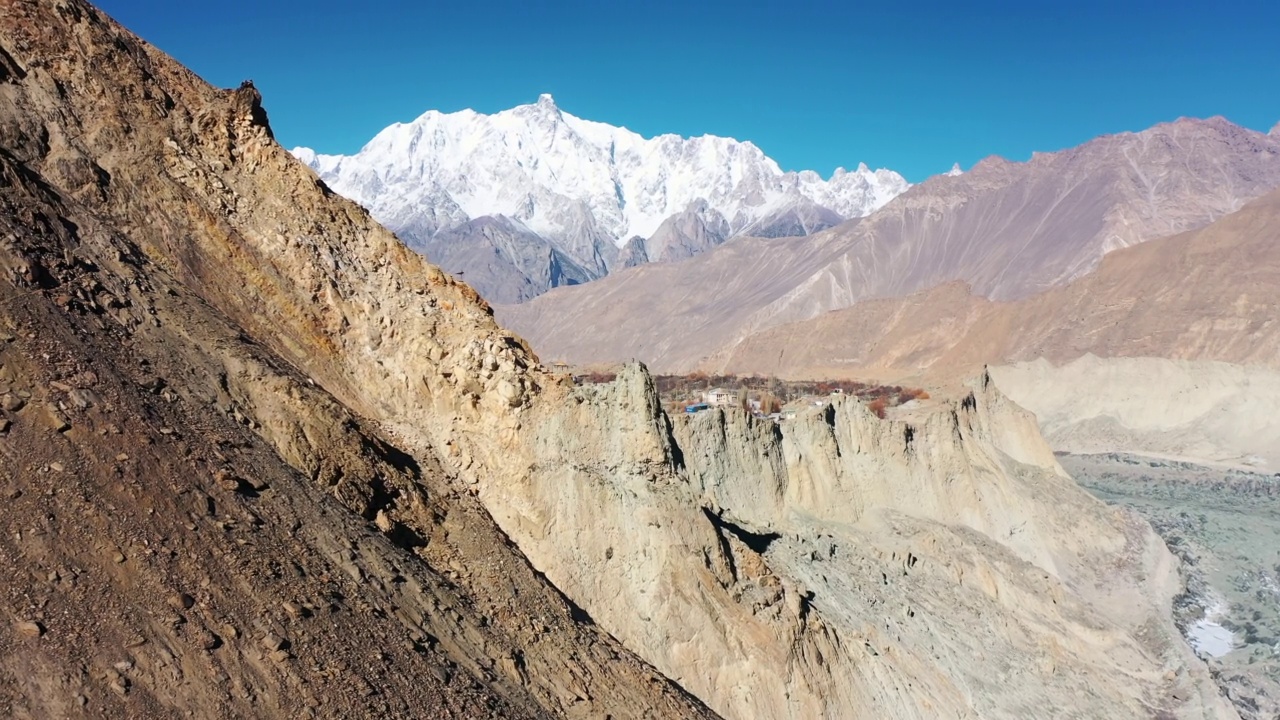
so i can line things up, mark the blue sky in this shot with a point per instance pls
(909, 86)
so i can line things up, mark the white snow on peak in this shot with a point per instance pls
(955, 170)
(563, 176)
(305, 154)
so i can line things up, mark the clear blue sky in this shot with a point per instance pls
(909, 86)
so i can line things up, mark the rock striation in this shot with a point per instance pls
(842, 562)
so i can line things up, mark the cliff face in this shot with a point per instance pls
(912, 567)
(927, 566)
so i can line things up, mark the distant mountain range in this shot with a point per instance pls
(533, 198)
(1008, 230)
(1207, 294)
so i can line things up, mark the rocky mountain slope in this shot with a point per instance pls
(263, 459)
(1007, 230)
(581, 190)
(192, 524)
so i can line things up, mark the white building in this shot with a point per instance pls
(719, 396)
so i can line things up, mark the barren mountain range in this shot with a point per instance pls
(533, 198)
(1007, 230)
(1208, 294)
(260, 459)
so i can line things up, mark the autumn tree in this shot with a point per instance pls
(878, 406)
(769, 403)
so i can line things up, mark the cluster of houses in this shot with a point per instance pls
(721, 397)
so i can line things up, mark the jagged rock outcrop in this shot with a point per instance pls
(795, 217)
(841, 562)
(917, 567)
(633, 253)
(694, 230)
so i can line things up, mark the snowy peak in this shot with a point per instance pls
(306, 155)
(532, 160)
(586, 187)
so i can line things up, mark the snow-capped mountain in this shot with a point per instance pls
(586, 188)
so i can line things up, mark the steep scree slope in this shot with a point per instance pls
(197, 527)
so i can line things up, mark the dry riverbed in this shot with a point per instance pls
(1225, 525)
